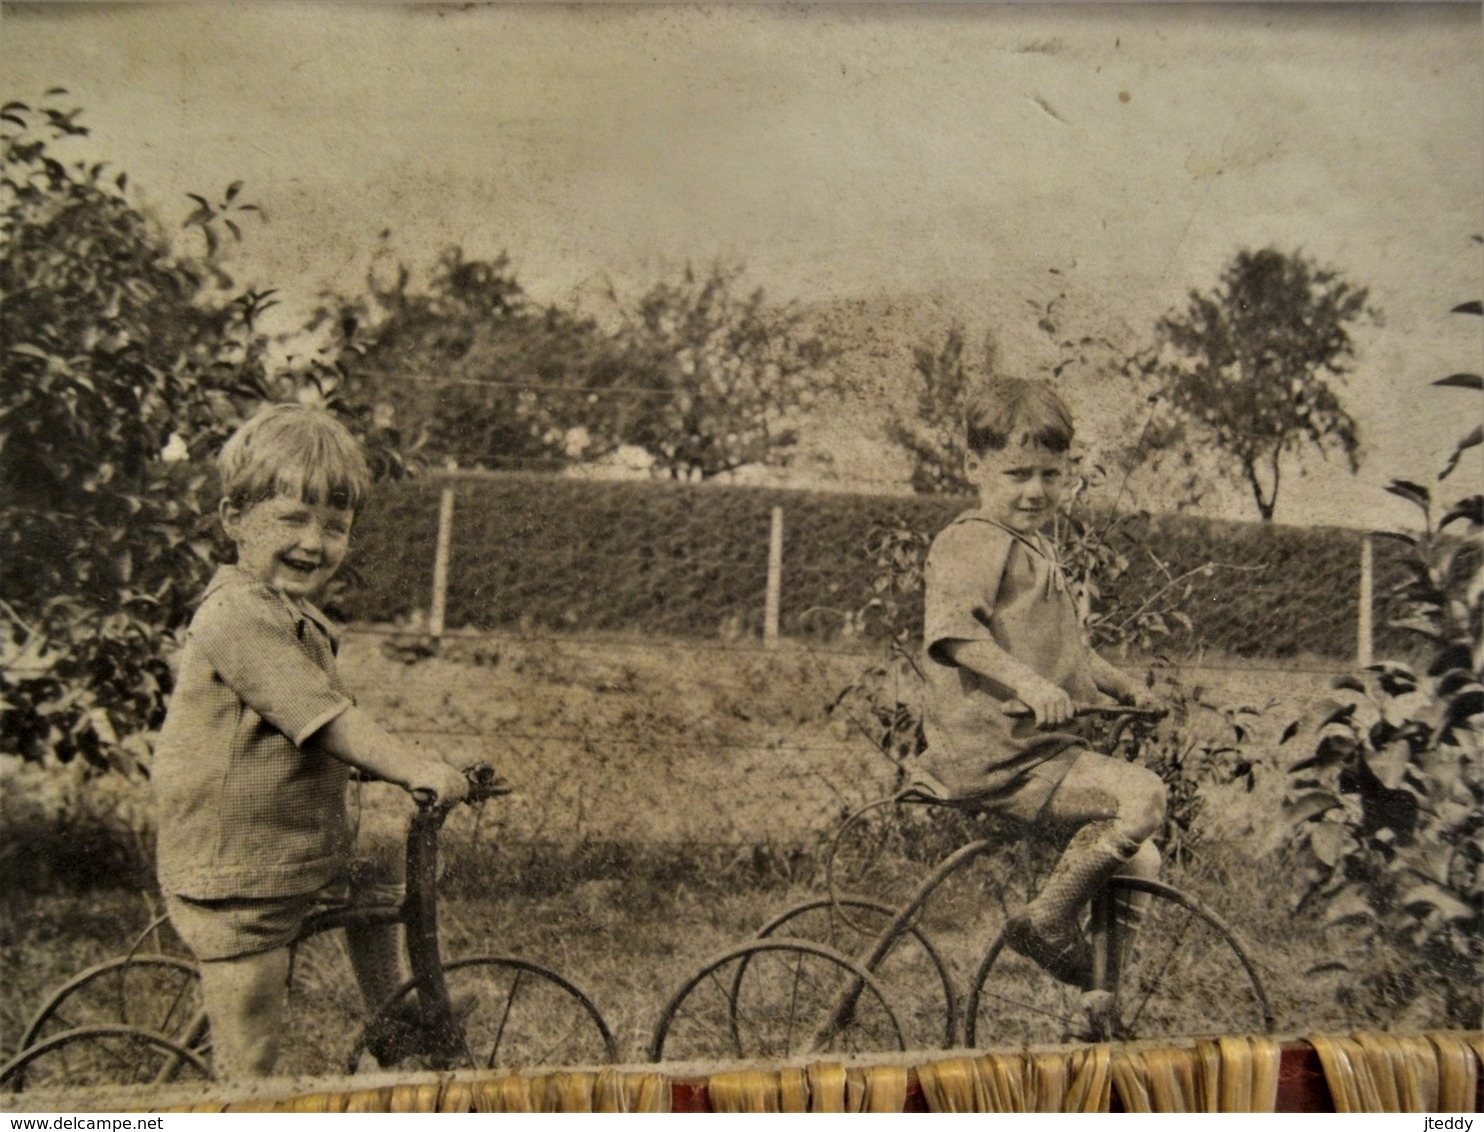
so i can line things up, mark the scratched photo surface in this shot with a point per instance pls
(671, 312)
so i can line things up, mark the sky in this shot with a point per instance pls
(936, 161)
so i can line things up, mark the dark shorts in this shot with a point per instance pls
(232, 928)
(238, 926)
(1020, 797)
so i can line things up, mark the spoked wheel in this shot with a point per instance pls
(510, 1013)
(1183, 974)
(159, 938)
(99, 1056)
(912, 969)
(157, 993)
(773, 998)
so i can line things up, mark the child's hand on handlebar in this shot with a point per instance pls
(464, 760)
(446, 784)
(1049, 703)
(1138, 696)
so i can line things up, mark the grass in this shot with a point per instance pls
(630, 938)
(671, 799)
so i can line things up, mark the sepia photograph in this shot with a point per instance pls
(702, 556)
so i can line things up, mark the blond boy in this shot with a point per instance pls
(261, 735)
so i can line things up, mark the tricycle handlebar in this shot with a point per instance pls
(484, 783)
(1017, 710)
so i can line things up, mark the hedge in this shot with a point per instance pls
(553, 554)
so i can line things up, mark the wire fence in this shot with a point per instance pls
(617, 646)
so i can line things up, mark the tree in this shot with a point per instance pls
(471, 367)
(934, 435)
(1252, 366)
(126, 364)
(714, 380)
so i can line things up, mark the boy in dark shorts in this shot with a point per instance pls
(251, 768)
(1000, 626)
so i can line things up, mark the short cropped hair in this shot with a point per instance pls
(1016, 409)
(295, 450)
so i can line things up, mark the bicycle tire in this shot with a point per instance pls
(102, 1056)
(512, 1013)
(1185, 974)
(159, 993)
(926, 985)
(778, 1012)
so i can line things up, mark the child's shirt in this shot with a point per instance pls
(984, 581)
(243, 810)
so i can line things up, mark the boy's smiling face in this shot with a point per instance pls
(1019, 485)
(288, 544)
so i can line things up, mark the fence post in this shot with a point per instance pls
(1363, 627)
(440, 563)
(775, 580)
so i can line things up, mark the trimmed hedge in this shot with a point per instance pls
(542, 553)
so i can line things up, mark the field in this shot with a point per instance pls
(670, 798)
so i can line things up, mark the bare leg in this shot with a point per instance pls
(1144, 865)
(245, 1001)
(378, 876)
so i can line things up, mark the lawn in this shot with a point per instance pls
(669, 800)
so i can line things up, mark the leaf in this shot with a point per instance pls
(1328, 841)
(1341, 714)
(1288, 732)
(1465, 705)
(1474, 307)
(1472, 440)
(1461, 381)
(1434, 897)
(1327, 967)
(233, 189)
(1390, 763)
(1348, 907)
(1471, 509)
(1399, 536)
(30, 662)
(1309, 807)
(1414, 492)
(1349, 684)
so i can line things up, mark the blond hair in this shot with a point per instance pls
(295, 450)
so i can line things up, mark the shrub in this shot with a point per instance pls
(127, 363)
(1388, 810)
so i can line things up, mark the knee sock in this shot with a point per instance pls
(1097, 851)
(376, 958)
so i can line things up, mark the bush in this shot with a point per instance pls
(1388, 810)
(115, 349)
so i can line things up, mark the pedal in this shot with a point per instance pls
(1096, 1023)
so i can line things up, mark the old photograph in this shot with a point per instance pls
(692, 536)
